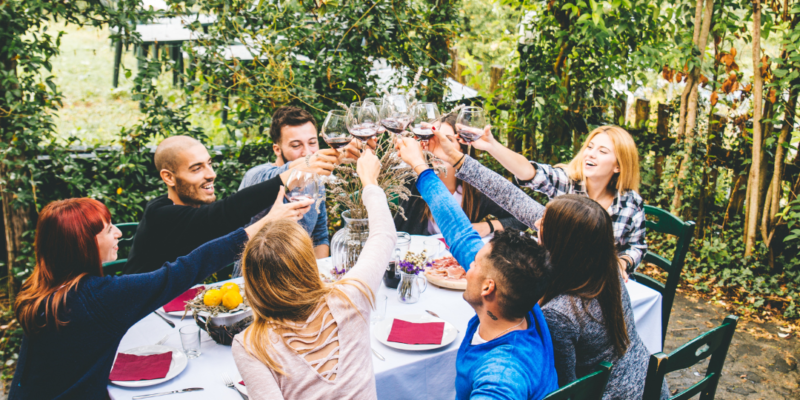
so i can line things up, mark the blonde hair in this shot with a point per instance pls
(282, 284)
(625, 152)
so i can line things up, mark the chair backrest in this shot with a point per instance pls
(684, 231)
(714, 344)
(590, 387)
(128, 230)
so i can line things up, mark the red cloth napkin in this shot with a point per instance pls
(179, 304)
(445, 243)
(416, 333)
(129, 367)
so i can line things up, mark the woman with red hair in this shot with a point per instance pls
(74, 317)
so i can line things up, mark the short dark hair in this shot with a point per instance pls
(288, 116)
(524, 271)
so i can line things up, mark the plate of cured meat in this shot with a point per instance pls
(445, 272)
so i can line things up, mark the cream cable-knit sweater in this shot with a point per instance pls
(354, 373)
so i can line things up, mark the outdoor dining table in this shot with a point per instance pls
(404, 375)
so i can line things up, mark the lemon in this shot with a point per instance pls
(232, 299)
(229, 287)
(212, 298)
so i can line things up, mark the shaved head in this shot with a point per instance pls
(169, 150)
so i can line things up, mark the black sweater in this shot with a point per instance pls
(415, 225)
(168, 231)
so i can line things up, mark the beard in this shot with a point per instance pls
(472, 299)
(190, 194)
(285, 161)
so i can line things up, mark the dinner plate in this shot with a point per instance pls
(383, 328)
(177, 365)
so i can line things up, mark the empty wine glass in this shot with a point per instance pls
(424, 116)
(378, 101)
(396, 113)
(302, 185)
(362, 121)
(470, 124)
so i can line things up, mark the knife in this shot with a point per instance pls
(380, 357)
(146, 396)
(170, 323)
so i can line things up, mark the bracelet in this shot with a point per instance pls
(628, 264)
(491, 226)
(459, 161)
(308, 157)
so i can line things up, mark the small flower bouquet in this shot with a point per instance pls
(408, 290)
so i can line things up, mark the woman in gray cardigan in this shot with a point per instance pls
(586, 306)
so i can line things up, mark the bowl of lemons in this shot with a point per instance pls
(222, 311)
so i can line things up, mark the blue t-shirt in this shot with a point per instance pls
(517, 365)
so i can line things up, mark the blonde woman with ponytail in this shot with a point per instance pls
(309, 339)
(605, 169)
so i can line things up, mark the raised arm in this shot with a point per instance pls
(515, 163)
(501, 191)
(382, 235)
(463, 240)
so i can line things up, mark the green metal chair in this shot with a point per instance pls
(671, 225)
(590, 387)
(125, 242)
(714, 343)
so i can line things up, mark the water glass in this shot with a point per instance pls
(190, 339)
(379, 313)
(433, 247)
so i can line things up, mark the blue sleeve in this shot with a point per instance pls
(154, 289)
(501, 378)
(320, 234)
(464, 242)
(261, 173)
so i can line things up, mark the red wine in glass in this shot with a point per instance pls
(365, 131)
(337, 143)
(422, 134)
(469, 136)
(395, 125)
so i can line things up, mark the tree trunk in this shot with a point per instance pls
(716, 128)
(16, 220)
(688, 116)
(755, 172)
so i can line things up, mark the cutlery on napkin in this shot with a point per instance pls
(416, 333)
(146, 396)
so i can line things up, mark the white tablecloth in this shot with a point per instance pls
(404, 375)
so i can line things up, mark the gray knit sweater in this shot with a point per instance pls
(581, 341)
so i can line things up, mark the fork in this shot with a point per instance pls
(437, 316)
(229, 383)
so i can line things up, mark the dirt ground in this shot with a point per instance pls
(760, 364)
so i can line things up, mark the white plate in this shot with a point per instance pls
(383, 328)
(177, 365)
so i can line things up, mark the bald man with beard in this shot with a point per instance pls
(187, 216)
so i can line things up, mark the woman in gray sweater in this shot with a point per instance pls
(586, 306)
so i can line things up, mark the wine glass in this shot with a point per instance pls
(302, 185)
(424, 116)
(334, 130)
(363, 122)
(378, 101)
(396, 113)
(470, 124)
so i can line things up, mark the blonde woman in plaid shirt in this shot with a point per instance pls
(606, 169)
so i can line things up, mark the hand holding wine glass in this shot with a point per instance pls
(363, 121)
(334, 130)
(410, 151)
(368, 168)
(302, 186)
(470, 124)
(424, 116)
(445, 148)
(396, 113)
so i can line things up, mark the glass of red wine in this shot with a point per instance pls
(378, 101)
(334, 130)
(396, 113)
(424, 116)
(302, 185)
(363, 122)
(470, 124)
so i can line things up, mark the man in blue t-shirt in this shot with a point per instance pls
(507, 352)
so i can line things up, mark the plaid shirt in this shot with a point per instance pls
(627, 210)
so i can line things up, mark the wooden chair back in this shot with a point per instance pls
(125, 243)
(590, 387)
(714, 344)
(684, 231)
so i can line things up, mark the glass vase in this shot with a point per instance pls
(348, 242)
(410, 287)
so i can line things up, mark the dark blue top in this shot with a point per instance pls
(517, 365)
(74, 362)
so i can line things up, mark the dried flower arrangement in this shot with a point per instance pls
(412, 264)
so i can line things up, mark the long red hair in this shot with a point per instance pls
(66, 251)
